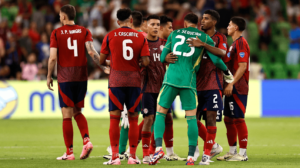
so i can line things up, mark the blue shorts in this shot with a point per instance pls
(210, 100)
(235, 105)
(72, 94)
(130, 96)
(149, 104)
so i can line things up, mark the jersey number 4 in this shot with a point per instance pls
(73, 47)
(182, 40)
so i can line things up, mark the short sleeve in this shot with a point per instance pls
(53, 39)
(88, 36)
(145, 50)
(242, 53)
(222, 43)
(105, 47)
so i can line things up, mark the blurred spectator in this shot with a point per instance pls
(293, 9)
(263, 22)
(30, 70)
(17, 26)
(275, 9)
(25, 11)
(97, 31)
(226, 15)
(48, 29)
(155, 7)
(25, 43)
(294, 50)
(3, 30)
(38, 17)
(96, 13)
(34, 34)
(256, 69)
(203, 5)
(12, 59)
(43, 48)
(2, 48)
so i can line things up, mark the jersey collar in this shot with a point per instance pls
(126, 27)
(153, 41)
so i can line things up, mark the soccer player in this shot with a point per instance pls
(180, 78)
(127, 48)
(137, 18)
(166, 27)
(237, 91)
(67, 48)
(144, 25)
(210, 85)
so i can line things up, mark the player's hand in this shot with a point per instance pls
(107, 69)
(195, 42)
(171, 58)
(50, 83)
(228, 90)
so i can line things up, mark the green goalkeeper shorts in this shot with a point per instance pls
(168, 93)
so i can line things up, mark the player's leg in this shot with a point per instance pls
(133, 98)
(165, 99)
(189, 102)
(240, 103)
(168, 135)
(66, 100)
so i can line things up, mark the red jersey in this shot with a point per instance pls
(71, 59)
(126, 47)
(153, 74)
(209, 76)
(238, 52)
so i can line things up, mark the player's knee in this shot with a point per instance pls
(134, 114)
(211, 118)
(148, 121)
(162, 109)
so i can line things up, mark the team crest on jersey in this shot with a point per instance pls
(146, 111)
(230, 48)
(224, 44)
(161, 47)
(228, 54)
(242, 54)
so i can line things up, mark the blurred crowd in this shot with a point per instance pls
(26, 26)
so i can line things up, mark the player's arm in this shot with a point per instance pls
(95, 56)
(51, 65)
(192, 42)
(167, 50)
(145, 53)
(237, 76)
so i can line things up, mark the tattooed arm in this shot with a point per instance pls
(96, 57)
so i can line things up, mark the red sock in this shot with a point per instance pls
(202, 131)
(83, 127)
(140, 130)
(114, 135)
(133, 135)
(146, 142)
(210, 139)
(242, 132)
(152, 146)
(168, 135)
(231, 132)
(68, 134)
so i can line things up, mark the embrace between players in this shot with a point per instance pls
(138, 73)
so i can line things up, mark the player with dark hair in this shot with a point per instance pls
(137, 22)
(127, 48)
(180, 78)
(210, 85)
(67, 48)
(166, 27)
(238, 59)
(144, 25)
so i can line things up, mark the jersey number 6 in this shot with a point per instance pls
(127, 48)
(182, 40)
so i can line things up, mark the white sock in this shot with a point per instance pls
(232, 149)
(170, 151)
(215, 145)
(242, 151)
(190, 157)
(128, 150)
(157, 148)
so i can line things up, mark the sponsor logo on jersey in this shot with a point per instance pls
(146, 111)
(75, 31)
(242, 54)
(224, 44)
(154, 48)
(228, 54)
(230, 48)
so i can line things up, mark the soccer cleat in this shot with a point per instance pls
(157, 156)
(133, 161)
(113, 162)
(205, 160)
(86, 151)
(228, 78)
(237, 158)
(190, 162)
(66, 157)
(146, 160)
(228, 155)
(215, 151)
(107, 157)
(174, 157)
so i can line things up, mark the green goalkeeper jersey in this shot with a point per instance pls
(182, 74)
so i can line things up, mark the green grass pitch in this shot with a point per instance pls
(273, 142)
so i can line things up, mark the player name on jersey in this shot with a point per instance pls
(71, 31)
(128, 34)
(189, 32)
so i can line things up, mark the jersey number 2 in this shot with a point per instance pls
(73, 47)
(182, 40)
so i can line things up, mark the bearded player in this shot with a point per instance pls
(236, 93)
(128, 49)
(67, 48)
